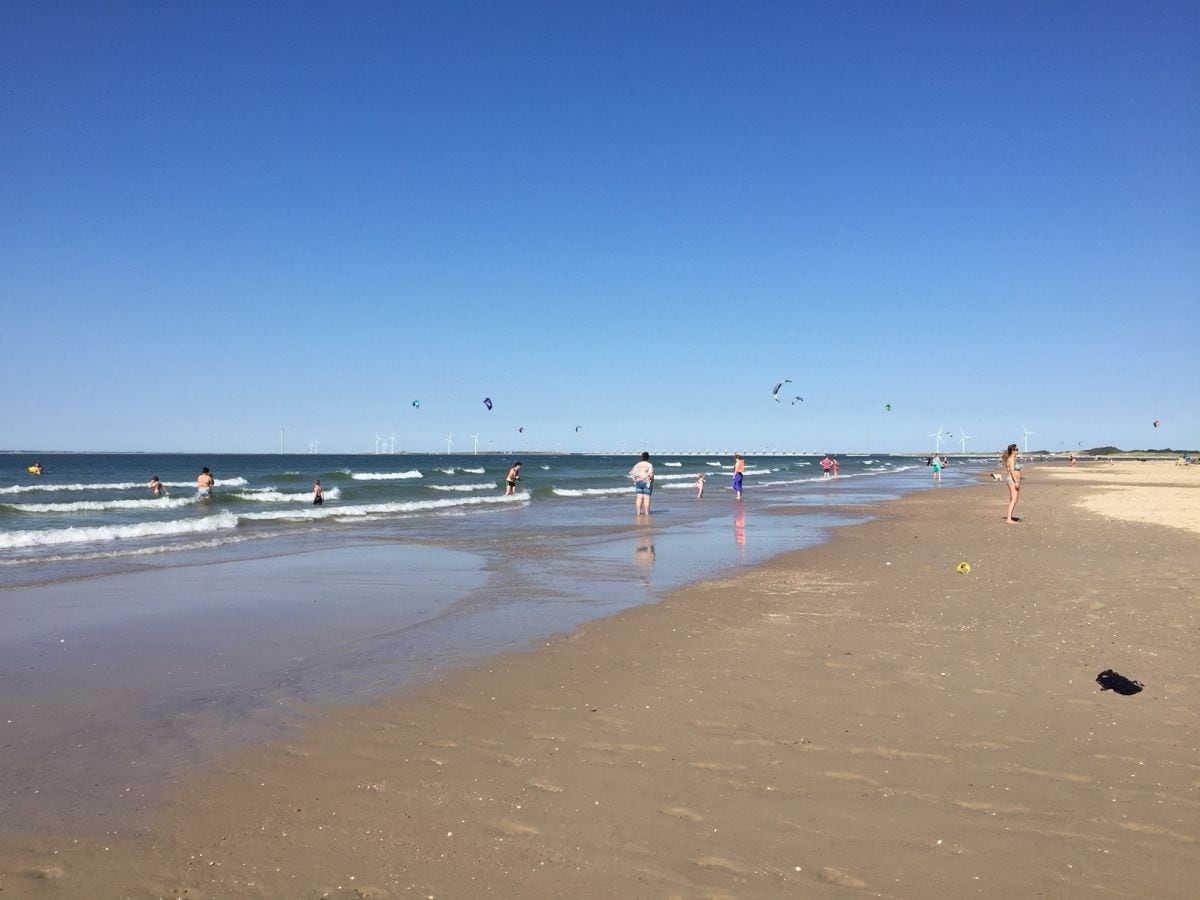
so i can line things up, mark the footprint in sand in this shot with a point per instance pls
(1144, 828)
(41, 873)
(546, 786)
(1054, 776)
(682, 812)
(852, 776)
(508, 826)
(831, 875)
(893, 753)
(724, 865)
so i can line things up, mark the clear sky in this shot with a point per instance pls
(222, 219)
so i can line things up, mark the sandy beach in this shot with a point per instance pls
(854, 719)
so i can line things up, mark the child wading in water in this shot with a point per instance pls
(700, 486)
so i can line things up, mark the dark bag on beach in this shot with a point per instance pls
(1112, 681)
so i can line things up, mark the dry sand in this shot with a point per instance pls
(1158, 492)
(856, 719)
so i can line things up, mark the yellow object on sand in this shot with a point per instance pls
(963, 568)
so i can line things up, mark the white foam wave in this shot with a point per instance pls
(486, 486)
(544, 468)
(97, 534)
(98, 505)
(589, 492)
(385, 476)
(267, 495)
(712, 462)
(378, 509)
(449, 471)
(672, 464)
(478, 471)
(52, 488)
(673, 477)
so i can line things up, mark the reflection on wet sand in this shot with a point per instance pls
(739, 526)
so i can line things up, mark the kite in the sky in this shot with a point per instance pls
(487, 401)
(775, 390)
(797, 397)
(521, 430)
(416, 404)
(1156, 423)
(887, 407)
(577, 428)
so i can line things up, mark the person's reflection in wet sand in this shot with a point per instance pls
(643, 556)
(739, 526)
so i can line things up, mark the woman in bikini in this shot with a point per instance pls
(1012, 470)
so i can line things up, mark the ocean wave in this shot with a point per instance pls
(686, 476)
(269, 495)
(385, 476)
(99, 505)
(672, 464)
(478, 471)
(484, 486)
(52, 488)
(379, 509)
(712, 462)
(99, 533)
(589, 492)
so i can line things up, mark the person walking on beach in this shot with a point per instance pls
(318, 494)
(514, 475)
(157, 488)
(700, 486)
(642, 474)
(1012, 469)
(739, 473)
(204, 484)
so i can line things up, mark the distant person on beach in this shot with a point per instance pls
(826, 466)
(739, 473)
(1012, 476)
(936, 462)
(642, 474)
(204, 484)
(157, 488)
(700, 486)
(834, 467)
(514, 475)
(318, 494)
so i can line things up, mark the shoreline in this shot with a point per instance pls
(853, 715)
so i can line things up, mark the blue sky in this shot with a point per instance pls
(218, 220)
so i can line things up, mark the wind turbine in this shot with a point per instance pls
(377, 440)
(475, 438)
(937, 444)
(963, 438)
(1027, 434)
(449, 441)
(392, 444)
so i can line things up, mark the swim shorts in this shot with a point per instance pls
(643, 487)
(511, 483)
(318, 501)
(203, 493)
(737, 481)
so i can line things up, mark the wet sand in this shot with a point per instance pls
(857, 718)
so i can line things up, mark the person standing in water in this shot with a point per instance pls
(204, 484)
(642, 474)
(739, 473)
(700, 486)
(936, 462)
(514, 475)
(157, 488)
(1012, 476)
(318, 493)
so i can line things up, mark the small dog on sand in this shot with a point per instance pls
(996, 476)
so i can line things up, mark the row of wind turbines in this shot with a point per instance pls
(388, 444)
(963, 437)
